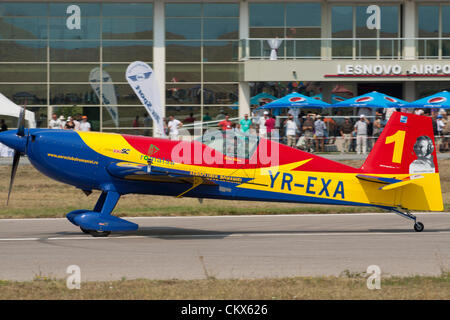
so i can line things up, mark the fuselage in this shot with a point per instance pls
(81, 159)
(267, 171)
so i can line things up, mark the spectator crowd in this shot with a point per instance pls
(313, 132)
(77, 123)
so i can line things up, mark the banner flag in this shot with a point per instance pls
(109, 93)
(141, 78)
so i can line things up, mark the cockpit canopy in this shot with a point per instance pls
(232, 143)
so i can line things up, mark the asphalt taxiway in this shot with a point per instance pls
(228, 247)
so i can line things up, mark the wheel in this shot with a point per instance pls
(418, 226)
(84, 230)
(96, 233)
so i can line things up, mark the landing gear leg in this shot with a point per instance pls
(418, 226)
(105, 205)
(99, 222)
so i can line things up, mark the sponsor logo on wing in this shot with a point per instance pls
(122, 151)
(437, 100)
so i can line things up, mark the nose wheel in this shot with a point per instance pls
(96, 233)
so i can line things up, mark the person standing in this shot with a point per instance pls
(291, 131)
(54, 123)
(70, 125)
(262, 124)
(440, 123)
(136, 122)
(361, 129)
(225, 124)
(308, 131)
(173, 127)
(4, 127)
(270, 126)
(245, 124)
(85, 125)
(77, 122)
(319, 128)
(346, 133)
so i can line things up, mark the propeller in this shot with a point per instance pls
(17, 154)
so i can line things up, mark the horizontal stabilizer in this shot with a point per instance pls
(377, 179)
(389, 183)
(401, 183)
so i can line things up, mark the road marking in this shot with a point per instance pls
(227, 235)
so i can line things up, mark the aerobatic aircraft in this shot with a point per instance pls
(400, 174)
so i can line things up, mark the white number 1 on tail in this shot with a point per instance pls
(398, 139)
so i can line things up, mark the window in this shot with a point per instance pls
(433, 23)
(351, 22)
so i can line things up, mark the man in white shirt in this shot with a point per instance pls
(85, 125)
(173, 126)
(262, 124)
(291, 130)
(54, 123)
(361, 127)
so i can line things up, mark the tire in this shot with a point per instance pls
(418, 226)
(85, 230)
(99, 234)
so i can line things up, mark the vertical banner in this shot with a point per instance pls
(141, 78)
(109, 93)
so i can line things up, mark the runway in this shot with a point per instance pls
(228, 247)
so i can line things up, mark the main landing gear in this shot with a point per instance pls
(418, 226)
(99, 222)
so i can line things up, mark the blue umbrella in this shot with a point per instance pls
(437, 100)
(295, 100)
(261, 97)
(371, 100)
(334, 98)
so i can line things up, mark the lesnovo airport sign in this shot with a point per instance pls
(391, 70)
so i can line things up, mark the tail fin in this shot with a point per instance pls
(406, 150)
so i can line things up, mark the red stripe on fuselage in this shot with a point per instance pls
(164, 148)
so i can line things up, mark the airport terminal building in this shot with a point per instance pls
(211, 57)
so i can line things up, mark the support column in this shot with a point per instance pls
(326, 91)
(244, 88)
(325, 49)
(159, 53)
(244, 99)
(410, 29)
(409, 91)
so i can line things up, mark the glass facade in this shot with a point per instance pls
(350, 21)
(202, 67)
(433, 23)
(48, 52)
(286, 20)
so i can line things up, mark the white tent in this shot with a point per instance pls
(9, 108)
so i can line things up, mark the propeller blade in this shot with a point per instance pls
(21, 123)
(13, 172)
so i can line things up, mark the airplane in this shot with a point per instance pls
(399, 175)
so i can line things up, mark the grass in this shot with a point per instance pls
(37, 196)
(343, 287)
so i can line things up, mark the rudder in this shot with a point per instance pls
(406, 150)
